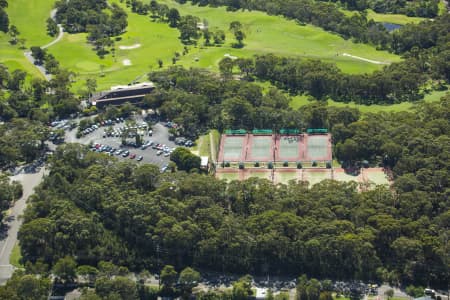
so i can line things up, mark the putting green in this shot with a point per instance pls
(265, 34)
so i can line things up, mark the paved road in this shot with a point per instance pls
(29, 182)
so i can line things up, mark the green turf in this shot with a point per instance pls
(302, 100)
(16, 256)
(259, 174)
(232, 148)
(285, 177)
(228, 176)
(314, 177)
(393, 18)
(260, 148)
(29, 16)
(377, 177)
(265, 34)
(342, 176)
(442, 8)
(289, 147)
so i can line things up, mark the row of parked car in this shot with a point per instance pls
(113, 151)
(108, 122)
(161, 148)
(132, 130)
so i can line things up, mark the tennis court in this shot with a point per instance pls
(231, 148)
(261, 148)
(318, 147)
(288, 148)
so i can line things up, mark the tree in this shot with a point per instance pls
(235, 26)
(118, 288)
(4, 21)
(91, 85)
(219, 37)
(189, 278)
(65, 269)
(160, 63)
(24, 286)
(13, 33)
(173, 17)
(226, 67)
(242, 289)
(185, 160)
(389, 293)
(52, 27)
(240, 36)
(168, 276)
(145, 177)
(188, 29)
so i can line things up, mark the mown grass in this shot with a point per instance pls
(29, 16)
(16, 256)
(302, 100)
(393, 18)
(265, 34)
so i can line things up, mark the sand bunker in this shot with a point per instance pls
(230, 56)
(129, 47)
(126, 62)
(365, 59)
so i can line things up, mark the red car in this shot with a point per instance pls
(132, 156)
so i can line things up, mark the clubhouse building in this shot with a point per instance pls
(122, 93)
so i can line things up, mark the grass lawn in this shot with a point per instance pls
(16, 256)
(386, 18)
(393, 18)
(29, 16)
(228, 176)
(265, 34)
(302, 100)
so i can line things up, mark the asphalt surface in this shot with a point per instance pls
(13, 221)
(160, 136)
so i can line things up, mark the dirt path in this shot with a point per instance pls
(366, 59)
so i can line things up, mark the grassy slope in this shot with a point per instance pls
(264, 34)
(299, 101)
(393, 18)
(29, 16)
(388, 18)
(16, 256)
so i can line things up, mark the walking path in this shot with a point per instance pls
(30, 58)
(365, 59)
(213, 148)
(14, 220)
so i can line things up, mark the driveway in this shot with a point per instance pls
(29, 182)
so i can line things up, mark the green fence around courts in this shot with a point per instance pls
(289, 131)
(316, 130)
(262, 131)
(236, 132)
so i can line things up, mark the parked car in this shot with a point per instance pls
(140, 157)
(132, 156)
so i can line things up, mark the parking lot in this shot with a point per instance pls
(160, 136)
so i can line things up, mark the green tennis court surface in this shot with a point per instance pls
(260, 148)
(289, 148)
(317, 147)
(232, 148)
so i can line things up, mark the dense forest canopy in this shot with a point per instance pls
(94, 208)
(100, 217)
